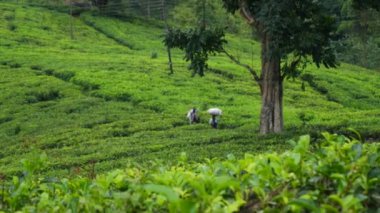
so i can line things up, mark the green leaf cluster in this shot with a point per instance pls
(197, 44)
(365, 4)
(300, 27)
(337, 174)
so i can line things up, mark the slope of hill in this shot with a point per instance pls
(105, 95)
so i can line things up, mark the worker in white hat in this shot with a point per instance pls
(214, 112)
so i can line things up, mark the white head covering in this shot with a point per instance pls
(215, 111)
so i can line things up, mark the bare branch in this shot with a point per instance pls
(250, 69)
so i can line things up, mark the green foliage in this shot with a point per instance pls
(46, 95)
(154, 55)
(190, 13)
(131, 8)
(362, 28)
(295, 27)
(292, 67)
(198, 44)
(363, 53)
(117, 105)
(365, 4)
(12, 27)
(35, 164)
(305, 118)
(336, 174)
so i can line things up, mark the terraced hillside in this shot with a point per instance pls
(105, 96)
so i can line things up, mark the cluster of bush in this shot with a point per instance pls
(336, 174)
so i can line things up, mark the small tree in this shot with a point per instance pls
(197, 44)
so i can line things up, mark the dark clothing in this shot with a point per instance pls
(214, 122)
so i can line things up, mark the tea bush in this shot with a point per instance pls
(336, 174)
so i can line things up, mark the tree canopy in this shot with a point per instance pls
(198, 44)
(365, 4)
(301, 27)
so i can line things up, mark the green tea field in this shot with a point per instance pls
(103, 96)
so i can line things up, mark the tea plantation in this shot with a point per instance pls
(335, 175)
(103, 98)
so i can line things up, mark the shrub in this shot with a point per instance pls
(313, 83)
(110, 34)
(154, 55)
(92, 124)
(9, 16)
(49, 72)
(47, 28)
(12, 27)
(335, 175)
(14, 65)
(305, 118)
(36, 67)
(85, 85)
(5, 119)
(123, 96)
(65, 76)
(15, 130)
(44, 95)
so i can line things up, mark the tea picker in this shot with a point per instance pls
(214, 112)
(192, 115)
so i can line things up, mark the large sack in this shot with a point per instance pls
(215, 111)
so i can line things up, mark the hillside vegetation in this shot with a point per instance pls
(309, 178)
(105, 96)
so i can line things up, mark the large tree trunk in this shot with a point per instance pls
(271, 118)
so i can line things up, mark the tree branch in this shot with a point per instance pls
(244, 11)
(292, 66)
(250, 69)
